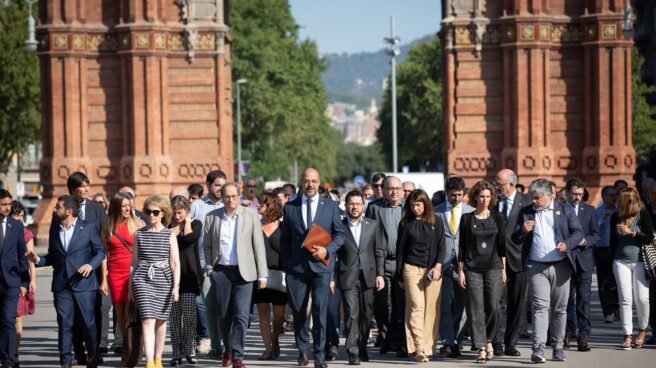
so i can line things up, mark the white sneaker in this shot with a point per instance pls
(203, 346)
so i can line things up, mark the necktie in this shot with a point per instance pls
(453, 221)
(504, 208)
(2, 234)
(81, 215)
(308, 218)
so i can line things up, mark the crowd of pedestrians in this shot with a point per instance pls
(430, 273)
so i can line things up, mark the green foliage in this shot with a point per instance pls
(419, 109)
(353, 159)
(19, 85)
(283, 103)
(644, 116)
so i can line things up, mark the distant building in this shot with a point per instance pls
(357, 126)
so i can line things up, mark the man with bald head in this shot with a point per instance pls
(510, 202)
(408, 187)
(390, 301)
(305, 272)
(179, 191)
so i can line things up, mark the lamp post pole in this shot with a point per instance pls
(393, 51)
(240, 172)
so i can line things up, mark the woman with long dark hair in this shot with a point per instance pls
(482, 266)
(118, 235)
(419, 258)
(270, 209)
(630, 230)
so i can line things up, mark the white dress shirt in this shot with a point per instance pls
(65, 234)
(228, 240)
(543, 248)
(313, 208)
(356, 229)
(509, 203)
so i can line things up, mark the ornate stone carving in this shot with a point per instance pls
(189, 41)
(566, 162)
(206, 41)
(60, 42)
(628, 161)
(609, 31)
(448, 36)
(527, 32)
(78, 42)
(492, 35)
(124, 41)
(63, 172)
(561, 33)
(142, 40)
(528, 162)
(611, 161)
(160, 41)
(462, 36)
(544, 32)
(509, 34)
(590, 32)
(477, 31)
(175, 42)
(145, 171)
(98, 42)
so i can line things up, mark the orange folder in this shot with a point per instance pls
(319, 237)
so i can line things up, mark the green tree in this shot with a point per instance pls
(283, 103)
(644, 116)
(419, 109)
(353, 159)
(19, 85)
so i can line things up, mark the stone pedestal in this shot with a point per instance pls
(543, 90)
(133, 93)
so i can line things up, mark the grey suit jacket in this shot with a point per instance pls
(251, 254)
(369, 257)
(513, 249)
(451, 240)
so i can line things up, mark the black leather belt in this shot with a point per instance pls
(226, 266)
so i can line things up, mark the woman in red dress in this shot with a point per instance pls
(25, 303)
(118, 234)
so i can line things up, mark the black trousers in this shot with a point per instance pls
(389, 311)
(233, 301)
(516, 289)
(604, 264)
(358, 311)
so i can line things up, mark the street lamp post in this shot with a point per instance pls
(239, 163)
(31, 42)
(393, 51)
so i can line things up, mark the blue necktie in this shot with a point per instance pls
(309, 214)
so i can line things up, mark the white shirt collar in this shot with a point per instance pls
(313, 199)
(511, 198)
(357, 223)
(71, 227)
(449, 205)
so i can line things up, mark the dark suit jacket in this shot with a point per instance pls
(513, 249)
(370, 254)
(583, 257)
(567, 227)
(295, 258)
(93, 213)
(85, 247)
(374, 210)
(14, 268)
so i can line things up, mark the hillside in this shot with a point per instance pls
(357, 78)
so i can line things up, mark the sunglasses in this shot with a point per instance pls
(377, 186)
(152, 212)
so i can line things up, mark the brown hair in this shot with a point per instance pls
(114, 217)
(273, 207)
(163, 204)
(418, 195)
(629, 203)
(478, 188)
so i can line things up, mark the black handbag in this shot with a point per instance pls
(132, 349)
(648, 252)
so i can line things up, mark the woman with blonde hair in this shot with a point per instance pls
(155, 276)
(420, 255)
(630, 230)
(118, 235)
(482, 266)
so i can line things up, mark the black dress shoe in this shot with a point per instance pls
(353, 359)
(320, 364)
(384, 349)
(583, 346)
(455, 353)
(498, 349)
(379, 341)
(332, 353)
(446, 350)
(303, 359)
(81, 359)
(92, 362)
(364, 356)
(402, 352)
(511, 351)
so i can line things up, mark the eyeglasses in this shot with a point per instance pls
(377, 186)
(397, 189)
(152, 212)
(230, 198)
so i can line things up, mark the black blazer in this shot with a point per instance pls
(436, 254)
(14, 270)
(93, 213)
(371, 255)
(583, 257)
(645, 235)
(514, 249)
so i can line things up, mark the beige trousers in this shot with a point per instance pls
(422, 309)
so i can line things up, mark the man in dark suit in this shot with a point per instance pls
(361, 269)
(548, 231)
(583, 260)
(14, 277)
(74, 252)
(389, 304)
(78, 185)
(306, 273)
(511, 201)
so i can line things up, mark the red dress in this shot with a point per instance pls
(118, 264)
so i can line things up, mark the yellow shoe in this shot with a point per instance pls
(158, 363)
(150, 364)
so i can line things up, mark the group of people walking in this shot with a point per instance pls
(427, 272)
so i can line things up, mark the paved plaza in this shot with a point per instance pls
(39, 347)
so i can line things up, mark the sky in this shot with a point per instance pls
(359, 25)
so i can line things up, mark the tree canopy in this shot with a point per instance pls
(644, 116)
(19, 85)
(283, 103)
(419, 109)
